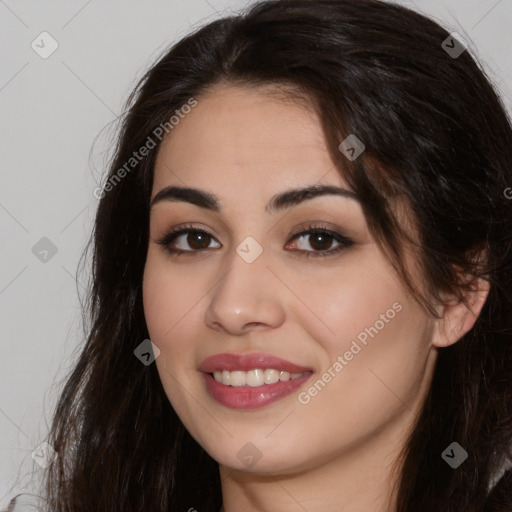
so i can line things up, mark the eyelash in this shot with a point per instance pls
(344, 242)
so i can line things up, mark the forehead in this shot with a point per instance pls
(246, 137)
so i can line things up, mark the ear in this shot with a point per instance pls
(456, 319)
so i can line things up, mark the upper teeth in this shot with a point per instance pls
(253, 378)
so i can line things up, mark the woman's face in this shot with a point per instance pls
(315, 357)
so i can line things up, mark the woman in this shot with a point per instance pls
(302, 277)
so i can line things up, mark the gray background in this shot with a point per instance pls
(52, 111)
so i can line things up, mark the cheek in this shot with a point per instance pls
(341, 302)
(168, 297)
(168, 310)
(375, 341)
(168, 300)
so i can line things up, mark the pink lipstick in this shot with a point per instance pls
(246, 381)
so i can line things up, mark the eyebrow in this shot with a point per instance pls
(278, 202)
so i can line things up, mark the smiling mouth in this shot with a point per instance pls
(254, 378)
(251, 380)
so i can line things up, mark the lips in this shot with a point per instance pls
(247, 362)
(251, 395)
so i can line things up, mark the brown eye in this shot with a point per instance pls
(191, 241)
(176, 241)
(198, 240)
(320, 240)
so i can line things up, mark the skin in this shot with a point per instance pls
(245, 146)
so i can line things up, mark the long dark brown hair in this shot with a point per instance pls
(437, 136)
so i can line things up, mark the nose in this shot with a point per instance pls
(248, 297)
